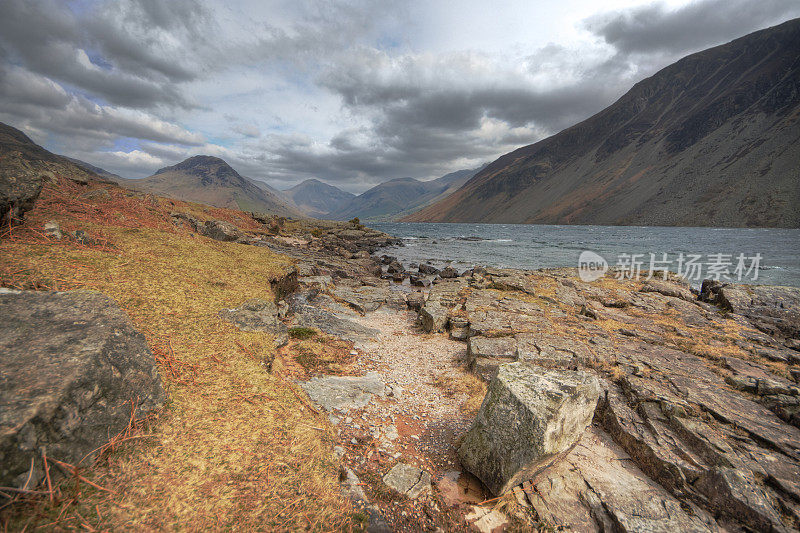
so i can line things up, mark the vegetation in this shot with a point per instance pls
(235, 448)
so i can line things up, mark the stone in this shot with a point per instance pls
(73, 366)
(433, 317)
(344, 393)
(530, 418)
(221, 231)
(448, 272)
(258, 315)
(52, 229)
(408, 480)
(415, 300)
(772, 309)
(427, 270)
(18, 192)
(667, 288)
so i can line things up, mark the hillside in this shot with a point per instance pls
(398, 197)
(711, 140)
(97, 170)
(210, 180)
(317, 199)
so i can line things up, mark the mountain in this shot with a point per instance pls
(25, 167)
(316, 198)
(711, 140)
(399, 197)
(97, 170)
(210, 180)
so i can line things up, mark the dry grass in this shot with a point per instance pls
(466, 385)
(235, 448)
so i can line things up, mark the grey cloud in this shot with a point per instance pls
(656, 29)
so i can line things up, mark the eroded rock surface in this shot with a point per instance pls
(258, 315)
(72, 369)
(343, 393)
(529, 418)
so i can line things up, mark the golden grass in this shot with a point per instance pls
(469, 385)
(234, 448)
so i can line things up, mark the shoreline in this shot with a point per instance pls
(631, 334)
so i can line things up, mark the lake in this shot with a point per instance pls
(756, 255)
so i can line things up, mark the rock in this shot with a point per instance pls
(415, 300)
(97, 194)
(395, 268)
(487, 520)
(529, 418)
(52, 229)
(486, 354)
(408, 480)
(448, 272)
(343, 393)
(258, 315)
(221, 231)
(419, 282)
(667, 288)
(773, 310)
(309, 315)
(72, 365)
(18, 192)
(427, 270)
(81, 237)
(433, 318)
(186, 220)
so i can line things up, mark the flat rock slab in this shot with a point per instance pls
(310, 315)
(72, 367)
(343, 393)
(408, 480)
(258, 315)
(529, 417)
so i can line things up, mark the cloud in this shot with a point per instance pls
(350, 91)
(654, 28)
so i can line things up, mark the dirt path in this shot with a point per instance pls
(429, 410)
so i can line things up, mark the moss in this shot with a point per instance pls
(302, 333)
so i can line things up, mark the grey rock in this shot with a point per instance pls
(529, 418)
(258, 315)
(415, 300)
(343, 393)
(18, 192)
(221, 231)
(448, 272)
(310, 315)
(72, 367)
(408, 480)
(427, 270)
(52, 229)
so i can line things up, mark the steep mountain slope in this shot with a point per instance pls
(318, 199)
(97, 170)
(210, 180)
(398, 197)
(712, 140)
(25, 167)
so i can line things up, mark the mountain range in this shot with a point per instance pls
(317, 199)
(210, 180)
(711, 140)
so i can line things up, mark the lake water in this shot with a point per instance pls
(764, 256)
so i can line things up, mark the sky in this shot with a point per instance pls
(353, 92)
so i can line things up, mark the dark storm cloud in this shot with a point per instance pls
(657, 29)
(129, 53)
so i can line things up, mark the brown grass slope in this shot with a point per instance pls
(711, 140)
(234, 448)
(210, 180)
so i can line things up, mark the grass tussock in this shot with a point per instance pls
(235, 447)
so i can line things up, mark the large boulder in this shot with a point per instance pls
(774, 310)
(18, 192)
(530, 418)
(221, 231)
(73, 366)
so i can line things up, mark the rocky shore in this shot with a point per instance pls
(693, 426)
(504, 398)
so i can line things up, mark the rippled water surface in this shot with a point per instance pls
(538, 246)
